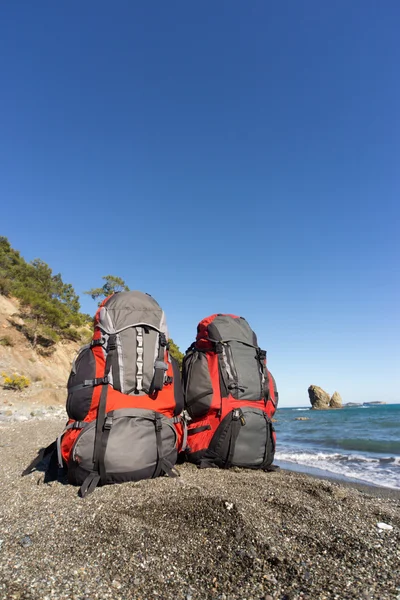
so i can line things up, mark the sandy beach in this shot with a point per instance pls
(211, 534)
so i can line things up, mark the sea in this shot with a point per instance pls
(359, 444)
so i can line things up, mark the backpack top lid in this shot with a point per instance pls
(224, 327)
(126, 309)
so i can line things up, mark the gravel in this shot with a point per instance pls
(210, 534)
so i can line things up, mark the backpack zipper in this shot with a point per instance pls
(237, 415)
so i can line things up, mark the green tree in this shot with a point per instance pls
(112, 284)
(50, 307)
(175, 352)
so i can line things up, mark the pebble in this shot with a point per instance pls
(25, 542)
(384, 526)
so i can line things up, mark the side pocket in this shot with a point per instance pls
(255, 446)
(80, 393)
(198, 387)
(244, 438)
(271, 395)
(131, 452)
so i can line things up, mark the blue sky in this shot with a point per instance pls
(223, 156)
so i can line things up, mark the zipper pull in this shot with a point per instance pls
(237, 415)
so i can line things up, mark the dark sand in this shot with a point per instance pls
(209, 534)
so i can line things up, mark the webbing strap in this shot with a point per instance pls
(139, 358)
(89, 485)
(235, 428)
(104, 441)
(269, 440)
(116, 374)
(158, 426)
(185, 435)
(163, 465)
(181, 419)
(159, 367)
(198, 429)
(101, 411)
(88, 383)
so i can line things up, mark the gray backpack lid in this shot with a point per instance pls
(138, 325)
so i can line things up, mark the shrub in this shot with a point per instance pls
(15, 381)
(5, 286)
(86, 336)
(71, 334)
(6, 341)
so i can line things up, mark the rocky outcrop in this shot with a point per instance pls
(320, 400)
(318, 397)
(336, 401)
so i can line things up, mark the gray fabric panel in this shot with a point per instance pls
(248, 372)
(127, 308)
(240, 356)
(121, 313)
(163, 325)
(252, 439)
(131, 444)
(199, 390)
(120, 354)
(228, 328)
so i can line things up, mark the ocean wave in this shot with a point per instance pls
(336, 457)
(382, 471)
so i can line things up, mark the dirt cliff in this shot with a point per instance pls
(47, 374)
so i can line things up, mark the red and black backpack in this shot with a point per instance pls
(124, 399)
(230, 396)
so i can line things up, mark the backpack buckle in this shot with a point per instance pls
(108, 422)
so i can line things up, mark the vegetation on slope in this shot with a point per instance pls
(50, 308)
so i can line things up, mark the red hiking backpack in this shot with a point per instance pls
(124, 399)
(230, 396)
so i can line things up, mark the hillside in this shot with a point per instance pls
(48, 374)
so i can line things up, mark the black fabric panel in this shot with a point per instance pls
(178, 390)
(78, 401)
(195, 457)
(198, 387)
(218, 450)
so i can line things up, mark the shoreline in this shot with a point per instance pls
(24, 413)
(367, 486)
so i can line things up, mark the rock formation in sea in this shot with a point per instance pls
(318, 397)
(336, 401)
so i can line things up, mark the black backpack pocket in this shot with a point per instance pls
(197, 384)
(244, 438)
(80, 384)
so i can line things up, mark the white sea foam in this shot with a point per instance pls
(382, 471)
